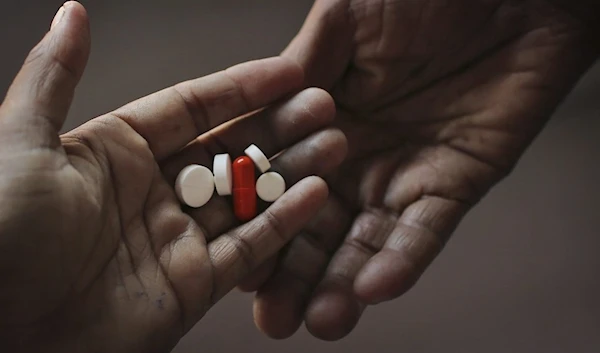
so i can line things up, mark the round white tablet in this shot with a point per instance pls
(195, 185)
(222, 171)
(270, 186)
(258, 157)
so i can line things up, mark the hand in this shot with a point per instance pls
(438, 100)
(96, 253)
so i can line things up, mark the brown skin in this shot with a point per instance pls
(438, 99)
(96, 253)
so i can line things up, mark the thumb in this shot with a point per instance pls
(39, 98)
(324, 45)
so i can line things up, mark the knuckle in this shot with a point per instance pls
(419, 244)
(275, 226)
(238, 89)
(47, 60)
(362, 246)
(122, 132)
(243, 249)
(195, 106)
(370, 230)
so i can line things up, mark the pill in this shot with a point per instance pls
(195, 185)
(258, 157)
(270, 186)
(244, 191)
(222, 171)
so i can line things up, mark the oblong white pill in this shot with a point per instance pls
(195, 185)
(222, 171)
(270, 186)
(258, 157)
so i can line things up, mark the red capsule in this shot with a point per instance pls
(244, 189)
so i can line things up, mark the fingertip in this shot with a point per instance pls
(78, 19)
(315, 185)
(386, 276)
(330, 146)
(320, 104)
(341, 151)
(46, 83)
(79, 13)
(333, 313)
(76, 7)
(70, 33)
(71, 12)
(278, 308)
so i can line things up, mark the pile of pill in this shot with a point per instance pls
(196, 184)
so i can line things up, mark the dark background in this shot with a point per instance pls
(521, 273)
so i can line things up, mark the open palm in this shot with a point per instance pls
(96, 253)
(438, 100)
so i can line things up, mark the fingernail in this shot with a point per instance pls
(59, 15)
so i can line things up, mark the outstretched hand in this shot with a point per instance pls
(438, 101)
(96, 253)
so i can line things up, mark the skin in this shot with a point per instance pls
(96, 252)
(438, 100)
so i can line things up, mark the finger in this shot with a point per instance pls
(280, 303)
(173, 117)
(425, 222)
(259, 276)
(340, 297)
(324, 44)
(280, 126)
(416, 240)
(272, 129)
(237, 253)
(39, 98)
(317, 155)
(334, 309)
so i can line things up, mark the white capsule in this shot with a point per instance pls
(258, 157)
(195, 185)
(270, 186)
(222, 171)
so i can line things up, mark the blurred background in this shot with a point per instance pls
(522, 271)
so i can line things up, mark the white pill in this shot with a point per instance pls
(270, 186)
(222, 171)
(195, 185)
(258, 157)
